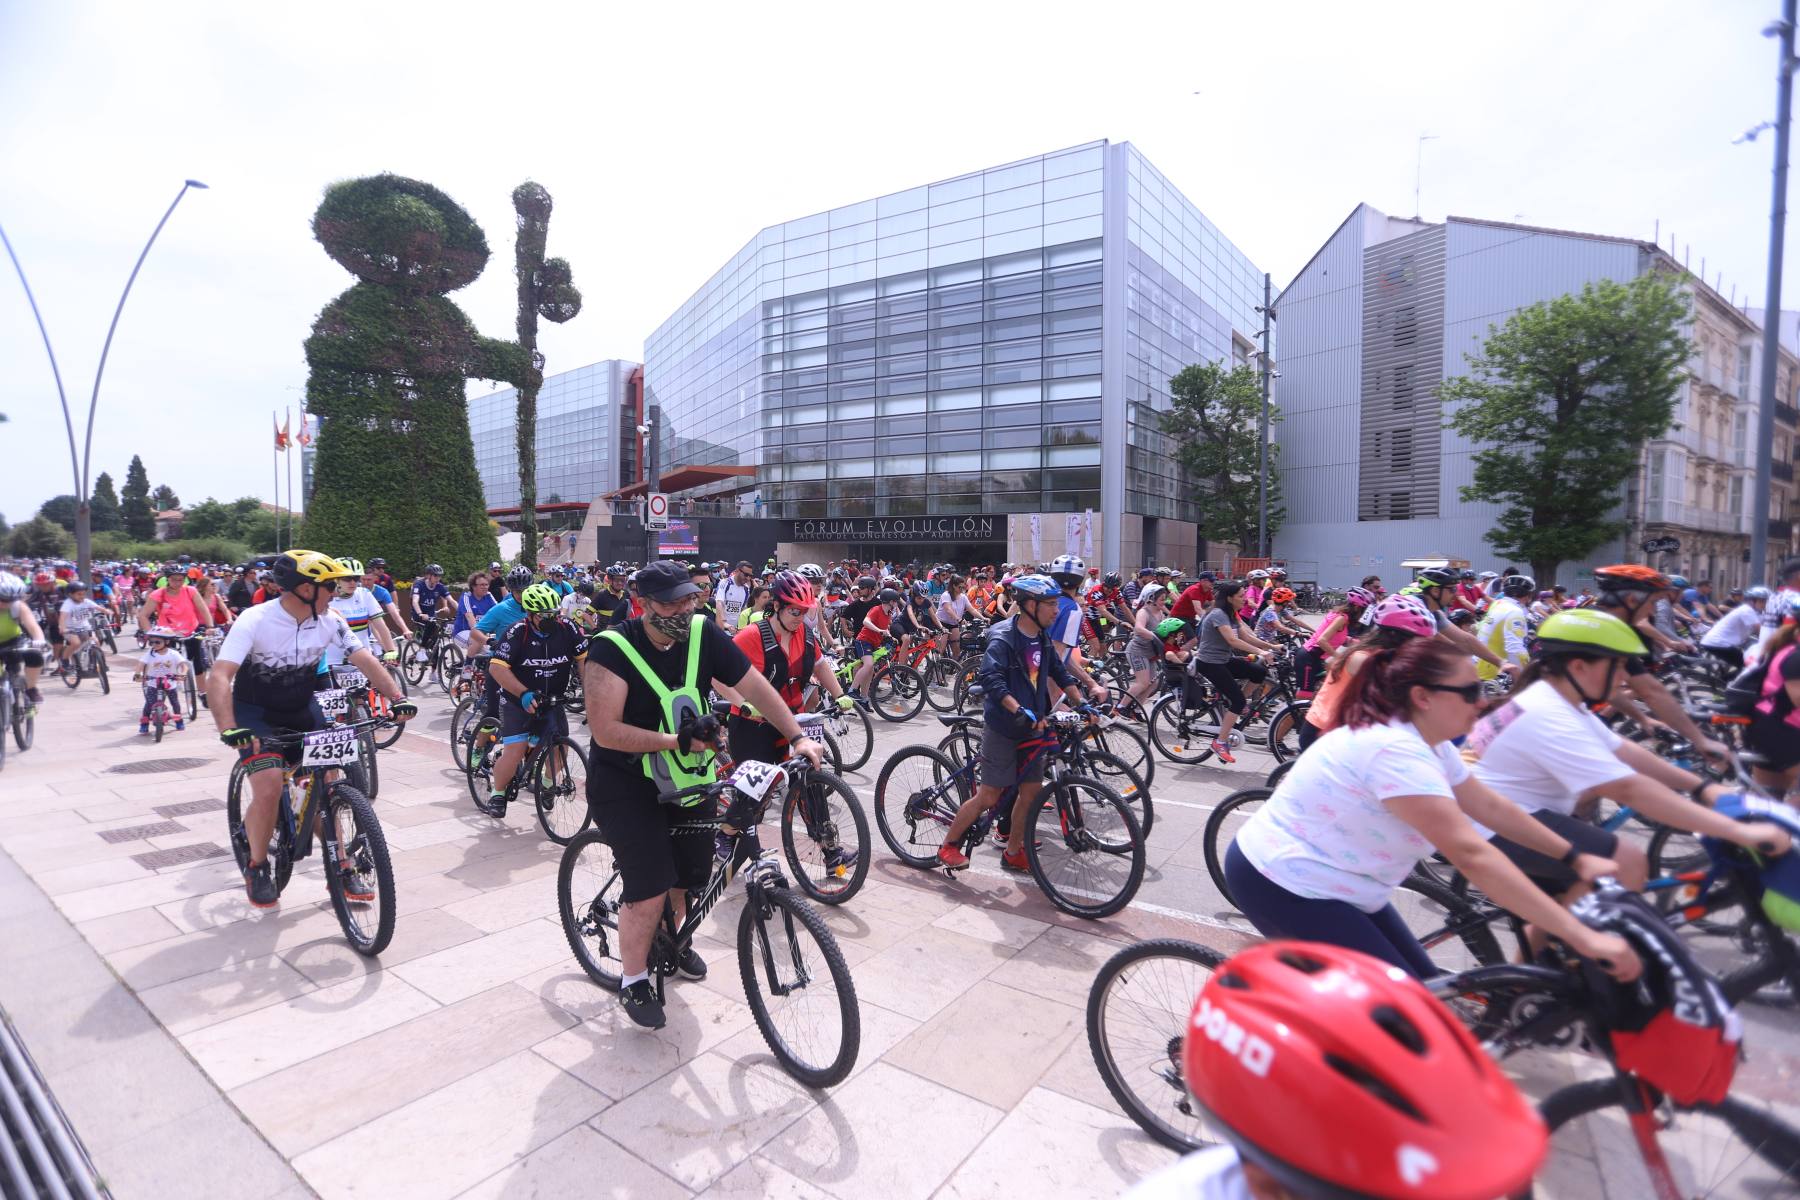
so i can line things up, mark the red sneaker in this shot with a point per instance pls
(1011, 862)
(952, 859)
(1223, 751)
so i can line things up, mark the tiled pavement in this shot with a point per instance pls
(201, 1049)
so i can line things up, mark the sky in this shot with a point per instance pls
(669, 134)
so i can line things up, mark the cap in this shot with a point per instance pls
(666, 581)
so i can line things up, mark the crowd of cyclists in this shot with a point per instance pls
(1471, 720)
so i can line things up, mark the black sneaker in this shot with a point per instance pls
(259, 882)
(641, 1005)
(691, 965)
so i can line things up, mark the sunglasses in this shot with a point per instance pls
(1470, 692)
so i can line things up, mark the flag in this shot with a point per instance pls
(281, 437)
(304, 437)
(1037, 537)
(1087, 533)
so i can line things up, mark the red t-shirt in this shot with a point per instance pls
(878, 617)
(1198, 595)
(749, 639)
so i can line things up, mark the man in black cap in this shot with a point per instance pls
(646, 681)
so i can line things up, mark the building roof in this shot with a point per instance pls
(170, 514)
(1354, 214)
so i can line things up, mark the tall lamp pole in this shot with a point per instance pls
(1267, 309)
(79, 466)
(652, 480)
(1765, 422)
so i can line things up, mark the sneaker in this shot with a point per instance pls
(840, 862)
(180, 724)
(359, 888)
(259, 882)
(862, 702)
(144, 727)
(952, 859)
(33, 695)
(495, 806)
(691, 965)
(641, 1005)
(1017, 863)
(1223, 751)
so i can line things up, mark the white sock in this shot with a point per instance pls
(626, 981)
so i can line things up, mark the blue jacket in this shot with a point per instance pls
(1015, 665)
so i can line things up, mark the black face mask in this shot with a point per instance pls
(543, 622)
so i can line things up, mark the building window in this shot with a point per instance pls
(1654, 488)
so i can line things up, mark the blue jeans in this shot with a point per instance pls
(1279, 913)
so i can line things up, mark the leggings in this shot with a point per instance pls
(1309, 733)
(1224, 676)
(1279, 913)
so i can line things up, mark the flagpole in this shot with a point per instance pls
(275, 465)
(285, 426)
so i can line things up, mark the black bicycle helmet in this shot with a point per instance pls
(1437, 577)
(1111, 579)
(887, 595)
(518, 578)
(430, 568)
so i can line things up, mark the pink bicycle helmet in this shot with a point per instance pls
(1362, 597)
(1405, 613)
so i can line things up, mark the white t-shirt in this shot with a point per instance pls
(279, 657)
(1735, 629)
(731, 596)
(1214, 1173)
(157, 664)
(1327, 834)
(1541, 752)
(79, 618)
(951, 609)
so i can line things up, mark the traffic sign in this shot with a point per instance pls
(656, 512)
(1661, 545)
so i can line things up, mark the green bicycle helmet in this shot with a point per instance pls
(1170, 626)
(539, 598)
(1589, 633)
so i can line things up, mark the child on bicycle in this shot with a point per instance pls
(162, 666)
(76, 619)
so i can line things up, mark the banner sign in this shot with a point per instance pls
(894, 529)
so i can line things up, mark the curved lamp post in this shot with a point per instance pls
(79, 466)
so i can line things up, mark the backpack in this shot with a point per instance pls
(775, 662)
(1672, 1027)
(1745, 691)
(671, 770)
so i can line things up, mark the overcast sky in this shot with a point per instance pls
(669, 134)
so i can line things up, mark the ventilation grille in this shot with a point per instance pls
(1402, 365)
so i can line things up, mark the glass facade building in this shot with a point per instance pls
(997, 344)
(578, 451)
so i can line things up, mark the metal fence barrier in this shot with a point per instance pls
(40, 1155)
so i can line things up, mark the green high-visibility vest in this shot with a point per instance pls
(671, 770)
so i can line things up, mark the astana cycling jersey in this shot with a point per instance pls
(542, 661)
(278, 657)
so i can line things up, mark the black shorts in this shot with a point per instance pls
(19, 651)
(1000, 765)
(637, 827)
(1774, 739)
(1555, 877)
(755, 741)
(1731, 656)
(517, 725)
(264, 722)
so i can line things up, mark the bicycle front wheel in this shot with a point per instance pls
(916, 797)
(1284, 730)
(854, 732)
(1137, 1017)
(1119, 775)
(825, 837)
(1123, 741)
(1182, 734)
(559, 785)
(1222, 824)
(897, 691)
(449, 666)
(588, 891)
(1604, 1146)
(463, 721)
(799, 988)
(1085, 849)
(415, 661)
(98, 660)
(193, 699)
(359, 875)
(939, 674)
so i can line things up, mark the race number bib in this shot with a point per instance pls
(348, 677)
(333, 703)
(329, 748)
(754, 779)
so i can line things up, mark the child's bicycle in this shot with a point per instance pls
(359, 876)
(795, 979)
(165, 706)
(1089, 862)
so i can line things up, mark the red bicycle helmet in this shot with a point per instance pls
(1333, 1071)
(790, 587)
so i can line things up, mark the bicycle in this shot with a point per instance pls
(1095, 834)
(359, 875)
(162, 707)
(88, 662)
(16, 710)
(558, 789)
(793, 972)
(962, 744)
(428, 650)
(850, 729)
(1137, 1017)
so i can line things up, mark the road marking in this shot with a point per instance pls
(1145, 905)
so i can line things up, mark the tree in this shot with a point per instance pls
(103, 507)
(208, 519)
(40, 538)
(387, 365)
(546, 289)
(164, 498)
(1215, 418)
(134, 502)
(4, 527)
(60, 509)
(1564, 395)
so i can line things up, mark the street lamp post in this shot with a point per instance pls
(652, 480)
(1765, 424)
(79, 466)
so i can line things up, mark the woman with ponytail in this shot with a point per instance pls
(1321, 858)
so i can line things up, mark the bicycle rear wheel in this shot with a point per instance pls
(916, 797)
(97, 659)
(1182, 734)
(361, 880)
(897, 692)
(854, 732)
(69, 671)
(193, 698)
(939, 674)
(1118, 775)
(1284, 730)
(449, 666)
(1085, 849)
(588, 890)
(380, 707)
(825, 837)
(463, 720)
(560, 789)
(1127, 743)
(24, 721)
(415, 661)
(1602, 1143)
(798, 987)
(1137, 1017)
(1222, 824)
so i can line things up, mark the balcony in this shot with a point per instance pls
(1715, 377)
(1787, 414)
(1731, 385)
(1692, 517)
(1783, 471)
(1781, 531)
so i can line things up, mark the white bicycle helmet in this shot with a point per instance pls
(1068, 567)
(12, 587)
(812, 572)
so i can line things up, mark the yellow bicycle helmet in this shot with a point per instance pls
(352, 565)
(296, 567)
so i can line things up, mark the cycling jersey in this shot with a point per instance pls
(731, 596)
(279, 656)
(561, 587)
(12, 627)
(541, 661)
(382, 596)
(611, 607)
(502, 617)
(1503, 632)
(1735, 629)
(429, 597)
(357, 609)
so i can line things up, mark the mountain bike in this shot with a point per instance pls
(1084, 846)
(962, 744)
(17, 712)
(554, 769)
(799, 989)
(359, 875)
(88, 662)
(428, 650)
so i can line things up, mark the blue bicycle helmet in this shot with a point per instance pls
(1780, 876)
(1040, 587)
